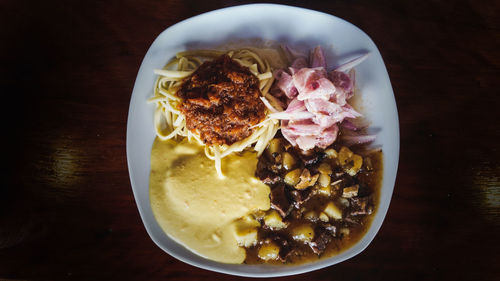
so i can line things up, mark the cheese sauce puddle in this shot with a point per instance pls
(197, 208)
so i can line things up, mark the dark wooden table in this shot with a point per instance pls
(66, 205)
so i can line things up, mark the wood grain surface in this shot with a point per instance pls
(68, 68)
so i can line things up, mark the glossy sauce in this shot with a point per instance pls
(302, 252)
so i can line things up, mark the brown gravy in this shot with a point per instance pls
(369, 178)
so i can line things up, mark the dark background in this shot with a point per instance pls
(66, 205)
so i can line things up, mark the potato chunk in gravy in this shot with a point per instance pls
(322, 201)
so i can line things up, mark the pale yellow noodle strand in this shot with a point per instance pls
(262, 66)
(269, 83)
(159, 131)
(170, 96)
(168, 118)
(173, 74)
(218, 165)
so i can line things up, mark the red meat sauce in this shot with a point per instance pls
(221, 101)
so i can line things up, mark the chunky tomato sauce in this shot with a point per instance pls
(221, 101)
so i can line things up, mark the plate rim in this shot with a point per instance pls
(221, 267)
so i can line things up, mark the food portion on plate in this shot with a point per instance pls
(214, 99)
(259, 157)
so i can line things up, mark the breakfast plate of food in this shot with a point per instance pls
(262, 140)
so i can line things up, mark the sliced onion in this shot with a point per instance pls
(346, 124)
(350, 64)
(268, 105)
(353, 140)
(291, 115)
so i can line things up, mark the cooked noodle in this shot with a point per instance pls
(170, 122)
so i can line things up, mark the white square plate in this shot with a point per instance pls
(285, 24)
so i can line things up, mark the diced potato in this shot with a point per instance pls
(258, 215)
(302, 185)
(314, 179)
(305, 183)
(304, 233)
(325, 168)
(269, 251)
(331, 153)
(311, 215)
(306, 180)
(274, 221)
(247, 221)
(288, 161)
(345, 155)
(344, 202)
(324, 180)
(246, 231)
(274, 146)
(323, 217)
(326, 190)
(293, 177)
(247, 237)
(350, 191)
(333, 211)
(344, 231)
(351, 162)
(357, 162)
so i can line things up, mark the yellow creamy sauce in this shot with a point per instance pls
(197, 208)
